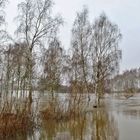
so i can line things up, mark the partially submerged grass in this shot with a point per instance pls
(10, 124)
(15, 117)
(71, 107)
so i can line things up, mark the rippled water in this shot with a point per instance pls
(119, 119)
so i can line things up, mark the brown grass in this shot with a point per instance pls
(15, 118)
(56, 110)
(10, 124)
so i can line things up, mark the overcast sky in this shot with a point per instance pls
(125, 13)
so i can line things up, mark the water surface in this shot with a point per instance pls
(119, 119)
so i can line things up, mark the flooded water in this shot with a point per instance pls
(119, 119)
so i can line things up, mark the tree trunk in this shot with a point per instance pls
(30, 76)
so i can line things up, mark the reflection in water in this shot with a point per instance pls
(95, 125)
(19, 136)
(115, 121)
(105, 127)
(67, 130)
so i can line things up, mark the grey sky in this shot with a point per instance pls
(125, 13)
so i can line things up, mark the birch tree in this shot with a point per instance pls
(81, 32)
(35, 25)
(53, 66)
(105, 52)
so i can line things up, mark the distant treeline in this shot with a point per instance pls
(128, 81)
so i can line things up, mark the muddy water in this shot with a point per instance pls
(119, 119)
(127, 116)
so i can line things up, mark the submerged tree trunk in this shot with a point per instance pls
(30, 66)
(99, 92)
(97, 100)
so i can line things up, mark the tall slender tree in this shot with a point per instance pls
(81, 33)
(36, 23)
(53, 68)
(105, 53)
